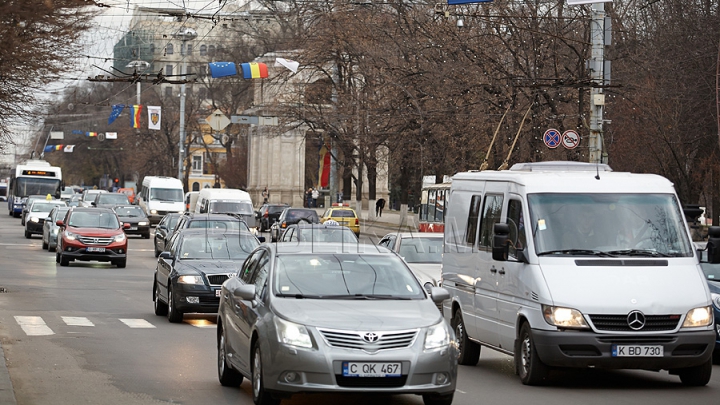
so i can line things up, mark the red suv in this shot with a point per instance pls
(91, 234)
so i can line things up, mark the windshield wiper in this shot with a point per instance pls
(639, 252)
(363, 297)
(298, 296)
(577, 252)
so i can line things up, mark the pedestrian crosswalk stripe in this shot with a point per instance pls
(77, 321)
(33, 326)
(137, 323)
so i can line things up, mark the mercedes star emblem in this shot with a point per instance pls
(636, 320)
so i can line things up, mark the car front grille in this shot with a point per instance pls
(370, 382)
(217, 279)
(369, 341)
(100, 241)
(619, 323)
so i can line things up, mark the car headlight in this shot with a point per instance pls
(437, 336)
(142, 223)
(70, 235)
(119, 238)
(564, 317)
(55, 231)
(715, 299)
(698, 317)
(292, 334)
(153, 212)
(34, 219)
(190, 280)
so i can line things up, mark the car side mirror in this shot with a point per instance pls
(713, 245)
(165, 255)
(163, 227)
(245, 292)
(500, 246)
(439, 294)
(59, 222)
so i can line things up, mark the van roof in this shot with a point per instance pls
(568, 181)
(224, 193)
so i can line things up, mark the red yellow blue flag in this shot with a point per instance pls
(135, 111)
(254, 70)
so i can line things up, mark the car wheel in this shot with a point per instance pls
(174, 315)
(63, 261)
(121, 263)
(468, 351)
(52, 248)
(697, 376)
(435, 399)
(57, 254)
(260, 396)
(529, 367)
(44, 245)
(228, 376)
(716, 356)
(146, 236)
(28, 235)
(161, 308)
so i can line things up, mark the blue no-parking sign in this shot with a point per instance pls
(552, 138)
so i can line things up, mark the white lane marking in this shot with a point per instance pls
(137, 323)
(77, 321)
(33, 326)
(462, 392)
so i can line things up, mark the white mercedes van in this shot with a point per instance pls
(227, 201)
(567, 264)
(160, 195)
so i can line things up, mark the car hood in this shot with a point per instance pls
(212, 267)
(40, 214)
(611, 289)
(132, 219)
(100, 232)
(359, 315)
(427, 272)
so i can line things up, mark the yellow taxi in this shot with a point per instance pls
(344, 216)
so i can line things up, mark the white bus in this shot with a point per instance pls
(34, 177)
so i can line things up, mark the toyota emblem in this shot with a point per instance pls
(370, 337)
(636, 320)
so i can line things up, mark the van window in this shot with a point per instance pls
(516, 223)
(473, 215)
(490, 216)
(166, 194)
(235, 207)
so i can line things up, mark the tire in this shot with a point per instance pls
(173, 315)
(469, 351)
(121, 263)
(260, 396)
(529, 367)
(434, 399)
(161, 308)
(52, 248)
(28, 235)
(227, 375)
(146, 236)
(716, 356)
(63, 261)
(157, 252)
(697, 376)
(45, 245)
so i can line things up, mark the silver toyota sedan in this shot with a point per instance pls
(333, 318)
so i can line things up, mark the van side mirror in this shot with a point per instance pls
(713, 245)
(501, 239)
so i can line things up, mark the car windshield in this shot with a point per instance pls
(234, 207)
(607, 224)
(326, 234)
(223, 225)
(166, 194)
(129, 211)
(29, 186)
(230, 247)
(342, 214)
(421, 250)
(293, 215)
(344, 276)
(105, 220)
(60, 213)
(112, 199)
(276, 209)
(44, 207)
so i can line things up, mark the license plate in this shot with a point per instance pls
(133, 228)
(637, 351)
(96, 249)
(343, 222)
(355, 369)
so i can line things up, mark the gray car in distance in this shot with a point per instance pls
(325, 318)
(50, 228)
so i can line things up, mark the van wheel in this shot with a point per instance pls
(697, 376)
(469, 351)
(529, 367)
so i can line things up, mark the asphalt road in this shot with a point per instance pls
(99, 342)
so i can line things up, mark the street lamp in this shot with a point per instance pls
(135, 64)
(185, 34)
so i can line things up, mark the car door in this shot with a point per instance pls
(238, 337)
(251, 311)
(164, 268)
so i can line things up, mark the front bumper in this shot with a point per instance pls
(112, 253)
(588, 349)
(139, 230)
(321, 370)
(34, 227)
(208, 300)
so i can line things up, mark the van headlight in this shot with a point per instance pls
(437, 336)
(564, 317)
(292, 334)
(154, 212)
(698, 317)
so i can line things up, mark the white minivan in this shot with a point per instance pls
(568, 264)
(160, 195)
(226, 201)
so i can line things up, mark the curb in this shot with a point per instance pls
(7, 394)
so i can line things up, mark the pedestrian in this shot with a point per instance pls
(308, 197)
(265, 195)
(315, 196)
(379, 205)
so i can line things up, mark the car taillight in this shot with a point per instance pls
(357, 221)
(283, 224)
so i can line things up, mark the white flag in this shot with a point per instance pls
(69, 148)
(154, 116)
(290, 64)
(57, 135)
(580, 2)
(110, 135)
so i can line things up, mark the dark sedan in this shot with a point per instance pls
(268, 214)
(292, 216)
(135, 216)
(189, 274)
(318, 233)
(164, 228)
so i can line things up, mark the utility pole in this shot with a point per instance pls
(333, 144)
(598, 40)
(185, 35)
